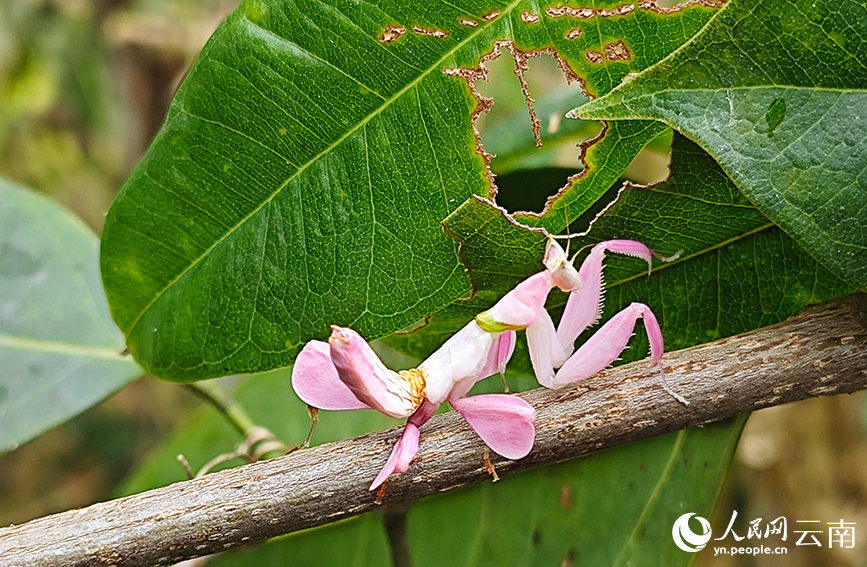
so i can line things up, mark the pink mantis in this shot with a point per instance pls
(345, 373)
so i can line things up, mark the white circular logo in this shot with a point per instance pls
(685, 538)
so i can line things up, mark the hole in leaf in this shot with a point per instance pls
(532, 149)
(526, 174)
(650, 166)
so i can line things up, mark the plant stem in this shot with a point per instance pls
(394, 521)
(212, 393)
(259, 443)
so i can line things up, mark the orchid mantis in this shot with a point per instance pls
(345, 373)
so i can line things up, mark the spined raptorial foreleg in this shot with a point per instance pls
(551, 348)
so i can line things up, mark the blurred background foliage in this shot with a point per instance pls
(84, 86)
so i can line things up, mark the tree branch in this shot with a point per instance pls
(819, 352)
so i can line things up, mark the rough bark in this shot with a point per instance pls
(819, 352)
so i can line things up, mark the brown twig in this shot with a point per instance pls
(820, 352)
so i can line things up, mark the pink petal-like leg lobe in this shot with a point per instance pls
(505, 423)
(316, 382)
(407, 446)
(361, 370)
(500, 354)
(401, 456)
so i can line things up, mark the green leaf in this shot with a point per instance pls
(304, 169)
(59, 349)
(611, 508)
(774, 91)
(737, 270)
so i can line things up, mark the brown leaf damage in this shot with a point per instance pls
(611, 52)
(654, 6)
(594, 57)
(569, 12)
(431, 32)
(391, 33)
(618, 51)
(393, 30)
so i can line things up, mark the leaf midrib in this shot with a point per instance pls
(714, 90)
(56, 347)
(360, 124)
(664, 477)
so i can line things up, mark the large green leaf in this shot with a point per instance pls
(775, 91)
(737, 270)
(305, 166)
(59, 349)
(620, 504)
